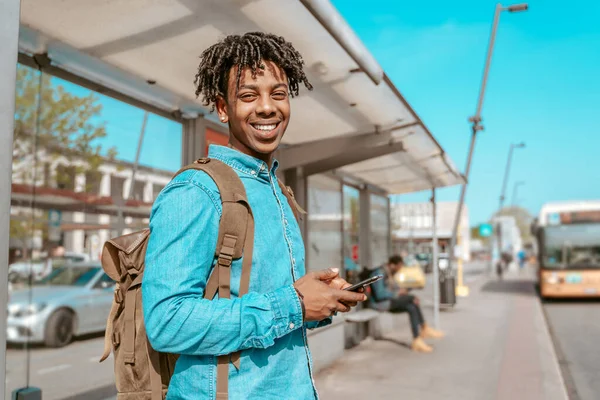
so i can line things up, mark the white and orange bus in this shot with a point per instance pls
(568, 236)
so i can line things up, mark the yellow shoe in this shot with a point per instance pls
(419, 345)
(429, 332)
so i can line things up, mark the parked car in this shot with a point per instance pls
(39, 268)
(72, 300)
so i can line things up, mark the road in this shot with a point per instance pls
(62, 373)
(575, 329)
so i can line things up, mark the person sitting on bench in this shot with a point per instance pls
(387, 296)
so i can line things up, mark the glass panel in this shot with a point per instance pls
(73, 167)
(572, 246)
(379, 230)
(351, 226)
(325, 222)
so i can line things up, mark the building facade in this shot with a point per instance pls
(413, 228)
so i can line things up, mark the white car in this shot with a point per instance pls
(72, 300)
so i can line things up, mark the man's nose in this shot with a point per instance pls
(265, 106)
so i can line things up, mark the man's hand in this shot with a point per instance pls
(416, 301)
(320, 299)
(339, 283)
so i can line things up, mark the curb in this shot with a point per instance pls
(559, 367)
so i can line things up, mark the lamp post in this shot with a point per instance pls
(513, 146)
(476, 119)
(515, 190)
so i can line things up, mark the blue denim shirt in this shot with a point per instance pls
(380, 292)
(266, 324)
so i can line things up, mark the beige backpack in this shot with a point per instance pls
(141, 373)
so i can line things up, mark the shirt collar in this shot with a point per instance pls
(242, 162)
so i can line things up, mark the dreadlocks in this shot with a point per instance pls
(246, 51)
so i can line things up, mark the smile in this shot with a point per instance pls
(265, 130)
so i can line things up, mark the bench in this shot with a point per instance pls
(366, 315)
(363, 315)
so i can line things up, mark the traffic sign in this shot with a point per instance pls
(355, 253)
(485, 230)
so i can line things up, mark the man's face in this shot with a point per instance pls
(258, 114)
(395, 268)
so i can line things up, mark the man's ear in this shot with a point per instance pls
(222, 109)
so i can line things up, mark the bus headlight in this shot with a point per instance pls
(552, 279)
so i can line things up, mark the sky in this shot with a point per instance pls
(543, 89)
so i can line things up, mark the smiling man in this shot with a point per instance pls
(249, 79)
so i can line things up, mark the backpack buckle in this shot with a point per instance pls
(225, 259)
(118, 296)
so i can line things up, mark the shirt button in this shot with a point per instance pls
(253, 172)
(292, 325)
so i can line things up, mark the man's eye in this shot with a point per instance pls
(280, 95)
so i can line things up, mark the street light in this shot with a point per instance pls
(514, 194)
(513, 146)
(476, 119)
(507, 171)
(517, 7)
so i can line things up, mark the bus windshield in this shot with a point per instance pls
(572, 246)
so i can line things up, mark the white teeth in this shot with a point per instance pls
(265, 127)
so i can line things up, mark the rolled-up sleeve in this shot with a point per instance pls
(184, 227)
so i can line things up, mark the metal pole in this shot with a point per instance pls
(488, 60)
(9, 37)
(515, 191)
(505, 181)
(122, 202)
(436, 279)
(137, 155)
(476, 120)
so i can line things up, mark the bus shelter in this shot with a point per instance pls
(354, 132)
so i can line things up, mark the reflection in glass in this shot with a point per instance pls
(65, 276)
(351, 229)
(572, 246)
(379, 230)
(73, 160)
(325, 223)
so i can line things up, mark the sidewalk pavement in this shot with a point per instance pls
(497, 346)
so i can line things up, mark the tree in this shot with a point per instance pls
(50, 123)
(523, 219)
(65, 125)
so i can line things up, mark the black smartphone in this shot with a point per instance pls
(356, 287)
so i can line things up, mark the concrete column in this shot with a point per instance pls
(79, 217)
(295, 179)
(148, 194)
(127, 186)
(105, 185)
(78, 238)
(194, 140)
(389, 222)
(364, 238)
(434, 260)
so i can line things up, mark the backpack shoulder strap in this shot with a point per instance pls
(289, 195)
(233, 227)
